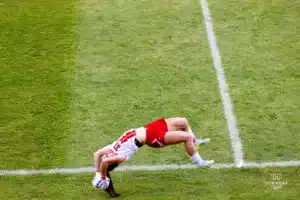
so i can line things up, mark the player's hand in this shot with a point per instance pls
(101, 182)
(104, 183)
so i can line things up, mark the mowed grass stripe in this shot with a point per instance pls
(139, 60)
(260, 48)
(236, 144)
(37, 45)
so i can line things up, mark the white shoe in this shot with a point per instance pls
(202, 141)
(205, 163)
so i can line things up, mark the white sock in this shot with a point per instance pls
(196, 158)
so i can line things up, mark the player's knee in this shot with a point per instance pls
(188, 138)
(185, 121)
(182, 121)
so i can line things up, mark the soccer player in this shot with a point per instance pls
(159, 133)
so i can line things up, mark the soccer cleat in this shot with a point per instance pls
(202, 141)
(112, 193)
(110, 190)
(205, 163)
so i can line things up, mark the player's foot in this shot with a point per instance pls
(205, 163)
(202, 141)
(115, 195)
(112, 193)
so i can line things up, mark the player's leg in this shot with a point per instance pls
(176, 137)
(177, 124)
(182, 124)
(110, 190)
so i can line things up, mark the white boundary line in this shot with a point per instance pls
(150, 168)
(231, 121)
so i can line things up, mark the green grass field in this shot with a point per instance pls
(75, 74)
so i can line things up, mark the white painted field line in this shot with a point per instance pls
(121, 168)
(149, 168)
(272, 164)
(228, 108)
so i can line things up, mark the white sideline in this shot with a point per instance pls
(150, 168)
(231, 121)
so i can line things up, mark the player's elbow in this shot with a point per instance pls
(96, 154)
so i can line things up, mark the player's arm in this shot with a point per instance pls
(110, 160)
(98, 155)
(101, 179)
